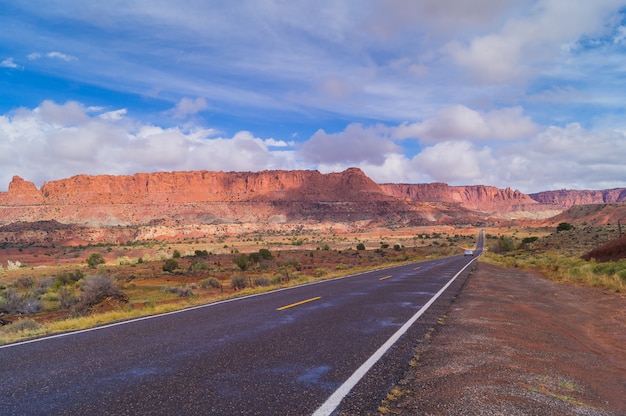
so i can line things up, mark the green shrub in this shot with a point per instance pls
(66, 297)
(319, 272)
(170, 265)
(239, 281)
(210, 282)
(262, 281)
(241, 261)
(66, 278)
(529, 240)
(564, 226)
(360, 246)
(265, 254)
(176, 254)
(94, 260)
(199, 265)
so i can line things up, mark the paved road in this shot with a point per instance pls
(281, 353)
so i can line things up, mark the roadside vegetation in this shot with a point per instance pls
(40, 300)
(556, 254)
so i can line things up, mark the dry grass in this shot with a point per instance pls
(557, 257)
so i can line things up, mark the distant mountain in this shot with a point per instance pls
(260, 200)
(568, 198)
(504, 203)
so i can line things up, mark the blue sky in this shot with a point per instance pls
(523, 94)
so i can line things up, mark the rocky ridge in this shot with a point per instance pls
(568, 198)
(164, 203)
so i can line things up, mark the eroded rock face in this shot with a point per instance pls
(568, 198)
(201, 197)
(487, 199)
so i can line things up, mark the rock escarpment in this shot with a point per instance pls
(568, 198)
(506, 203)
(204, 197)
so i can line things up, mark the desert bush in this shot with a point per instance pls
(241, 261)
(43, 284)
(210, 282)
(21, 325)
(503, 245)
(238, 281)
(529, 240)
(319, 272)
(94, 260)
(278, 279)
(66, 278)
(176, 254)
(66, 297)
(199, 265)
(180, 291)
(360, 246)
(14, 302)
(201, 253)
(24, 282)
(95, 289)
(265, 254)
(564, 226)
(262, 281)
(170, 265)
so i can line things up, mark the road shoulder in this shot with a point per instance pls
(514, 343)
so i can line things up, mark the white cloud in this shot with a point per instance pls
(189, 106)
(356, 144)
(8, 63)
(526, 43)
(111, 115)
(55, 141)
(53, 55)
(460, 122)
(454, 162)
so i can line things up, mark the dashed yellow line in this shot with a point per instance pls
(298, 303)
(385, 277)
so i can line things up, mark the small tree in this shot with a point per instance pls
(241, 260)
(170, 265)
(176, 254)
(94, 260)
(360, 246)
(564, 226)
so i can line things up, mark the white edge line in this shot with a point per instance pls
(335, 399)
(206, 305)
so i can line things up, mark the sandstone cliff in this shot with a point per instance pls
(206, 198)
(488, 199)
(568, 198)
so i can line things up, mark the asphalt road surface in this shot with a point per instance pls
(281, 353)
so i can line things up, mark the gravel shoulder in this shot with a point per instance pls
(514, 343)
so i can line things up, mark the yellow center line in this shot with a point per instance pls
(385, 277)
(298, 303)
(417, 268)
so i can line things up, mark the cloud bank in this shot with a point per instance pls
(54, 141)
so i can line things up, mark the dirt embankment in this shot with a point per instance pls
(517, 344)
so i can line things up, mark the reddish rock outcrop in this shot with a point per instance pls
(568, 198)
(206, 198)
(488, 199)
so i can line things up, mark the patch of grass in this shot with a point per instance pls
(573, 270)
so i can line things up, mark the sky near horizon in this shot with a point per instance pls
(510, 93)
